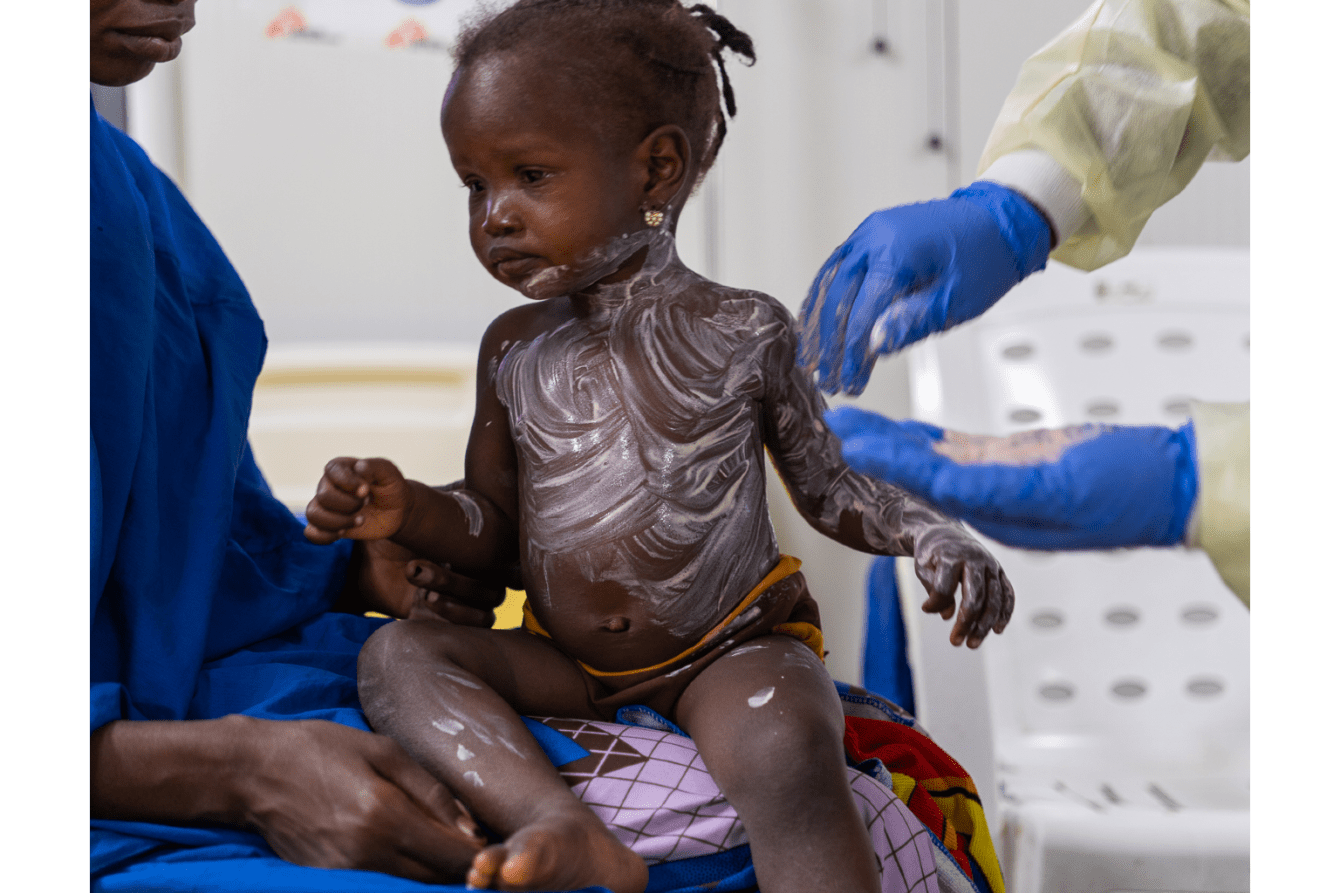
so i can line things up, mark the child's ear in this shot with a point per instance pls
(668, 157)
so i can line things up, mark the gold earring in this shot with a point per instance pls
(653, 217)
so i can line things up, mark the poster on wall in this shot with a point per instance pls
(393, 25)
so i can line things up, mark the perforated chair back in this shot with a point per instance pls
(1121, 684)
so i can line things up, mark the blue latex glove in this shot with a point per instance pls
(1122, 486)
(913, 270)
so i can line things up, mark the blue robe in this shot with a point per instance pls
(205, 597)
(206, 600)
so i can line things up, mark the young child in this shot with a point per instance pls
(617, 454)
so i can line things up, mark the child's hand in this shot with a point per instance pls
(359, 499)
(946, 555)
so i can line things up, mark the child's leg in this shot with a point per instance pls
(768, 723)
(451, 696)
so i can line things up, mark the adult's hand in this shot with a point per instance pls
(392, 580)
(1083, 487)
(320, 793)
(913, 270)
(326, 795)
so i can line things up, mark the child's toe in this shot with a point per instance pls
(484, 869)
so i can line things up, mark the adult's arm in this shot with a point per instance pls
(1114, 117)
(1105, 124)
(320, 793)
(1083, 487)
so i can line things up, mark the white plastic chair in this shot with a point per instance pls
(1107, 729)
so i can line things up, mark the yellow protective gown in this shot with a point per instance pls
(1115, 116)
(1105, 124)
(1221, 520)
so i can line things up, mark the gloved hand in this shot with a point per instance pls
(912, 270)
(1084, 487)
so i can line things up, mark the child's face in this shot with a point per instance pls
(545, 190)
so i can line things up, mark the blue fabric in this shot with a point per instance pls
(731, 869)
(192, 557)
(209, 861)
(885, 670)
(857, 701)
(308, 672)
(643, 716)
(559, 748)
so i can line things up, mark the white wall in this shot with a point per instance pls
(320, 168)
(318, 164)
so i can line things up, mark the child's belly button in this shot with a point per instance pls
(620, 643)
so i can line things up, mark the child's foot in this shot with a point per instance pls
(566, 852)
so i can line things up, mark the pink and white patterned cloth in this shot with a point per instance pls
(653, 790)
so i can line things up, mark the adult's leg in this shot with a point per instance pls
(451, 695)
(768, 723)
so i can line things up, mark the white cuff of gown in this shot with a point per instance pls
(1037, 177)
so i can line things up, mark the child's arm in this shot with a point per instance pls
(868, 514)
(471, 529)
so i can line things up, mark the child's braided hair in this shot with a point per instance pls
(649, 62)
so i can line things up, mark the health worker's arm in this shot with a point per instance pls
(1082, 487)
(1105, 124)
(868, 514)
(1114, 117)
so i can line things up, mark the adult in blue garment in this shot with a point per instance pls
(223, 687)
(1107, 122)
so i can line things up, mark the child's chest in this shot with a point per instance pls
(662, 379)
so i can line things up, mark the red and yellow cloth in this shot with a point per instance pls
(935, 788)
